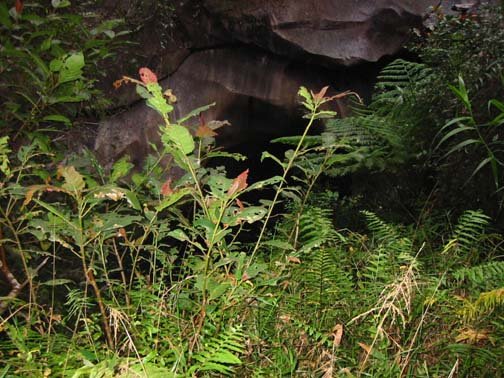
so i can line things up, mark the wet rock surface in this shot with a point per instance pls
(250, 57)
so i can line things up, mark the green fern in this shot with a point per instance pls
(484, 276)
(316, 228)
(486, 303)
(398, 83)
(220, 353)
(324, 284)
(467, 233)
(378, 135)
(390, 252)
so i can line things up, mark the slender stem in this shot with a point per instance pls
(280, 187)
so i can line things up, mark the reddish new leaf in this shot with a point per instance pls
(319, 96)
(166, 189)
(147, 76)
(19, 6)
(239, 183)
(240, 204)
(203, 130)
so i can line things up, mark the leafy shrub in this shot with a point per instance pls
(49, 62)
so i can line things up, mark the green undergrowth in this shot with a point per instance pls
(167, 271)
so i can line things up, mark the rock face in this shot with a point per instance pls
(338, 31)
(250, 57)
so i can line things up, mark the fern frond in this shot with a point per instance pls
(486, 303)
(489, 275)
(220, 353)
(321, 287)
(392, 251)
(398, 82)
(382, 231)
(467, 233)
(316, 228)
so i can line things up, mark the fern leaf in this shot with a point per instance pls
(467, 233)
(483, 305)
(220, 353)
(484, 276)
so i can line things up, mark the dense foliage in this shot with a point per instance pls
(150, 272)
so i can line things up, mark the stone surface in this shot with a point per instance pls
(250, 57)
(254, 90)
(335, 31)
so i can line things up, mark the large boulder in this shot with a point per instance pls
(332, 31)
(255, 91)
(250, 57)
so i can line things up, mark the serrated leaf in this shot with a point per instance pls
(74, 181)
(132, 200)
(178, 234)
(160, 105)
(180, 136)
(173, 198)
(195, 112)
(121, 168)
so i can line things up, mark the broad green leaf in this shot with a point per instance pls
(308, 104)
(160, 105)
(121, 168)
(218, 289)
(74, 181)
(232, 155)
(280, 244)
(132, 200)
(195, 113)
(179, 235)
(62, 99)
(175, 197)
(179, 136)
(252, 214)
(267, 155)
(4, 155)
(71, 68)
(219, 185)
(264, 183)
(143, 92)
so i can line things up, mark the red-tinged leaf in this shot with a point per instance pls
(19, 6)
(203, 130)
(319, 96)
(239, 183)
(240, 204)
(41, 188)
(294, 260)
(337, 332)
(166, 189)
(147, 76)
(117, 84)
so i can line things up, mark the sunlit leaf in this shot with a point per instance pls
(74, 181)
(180, 136)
